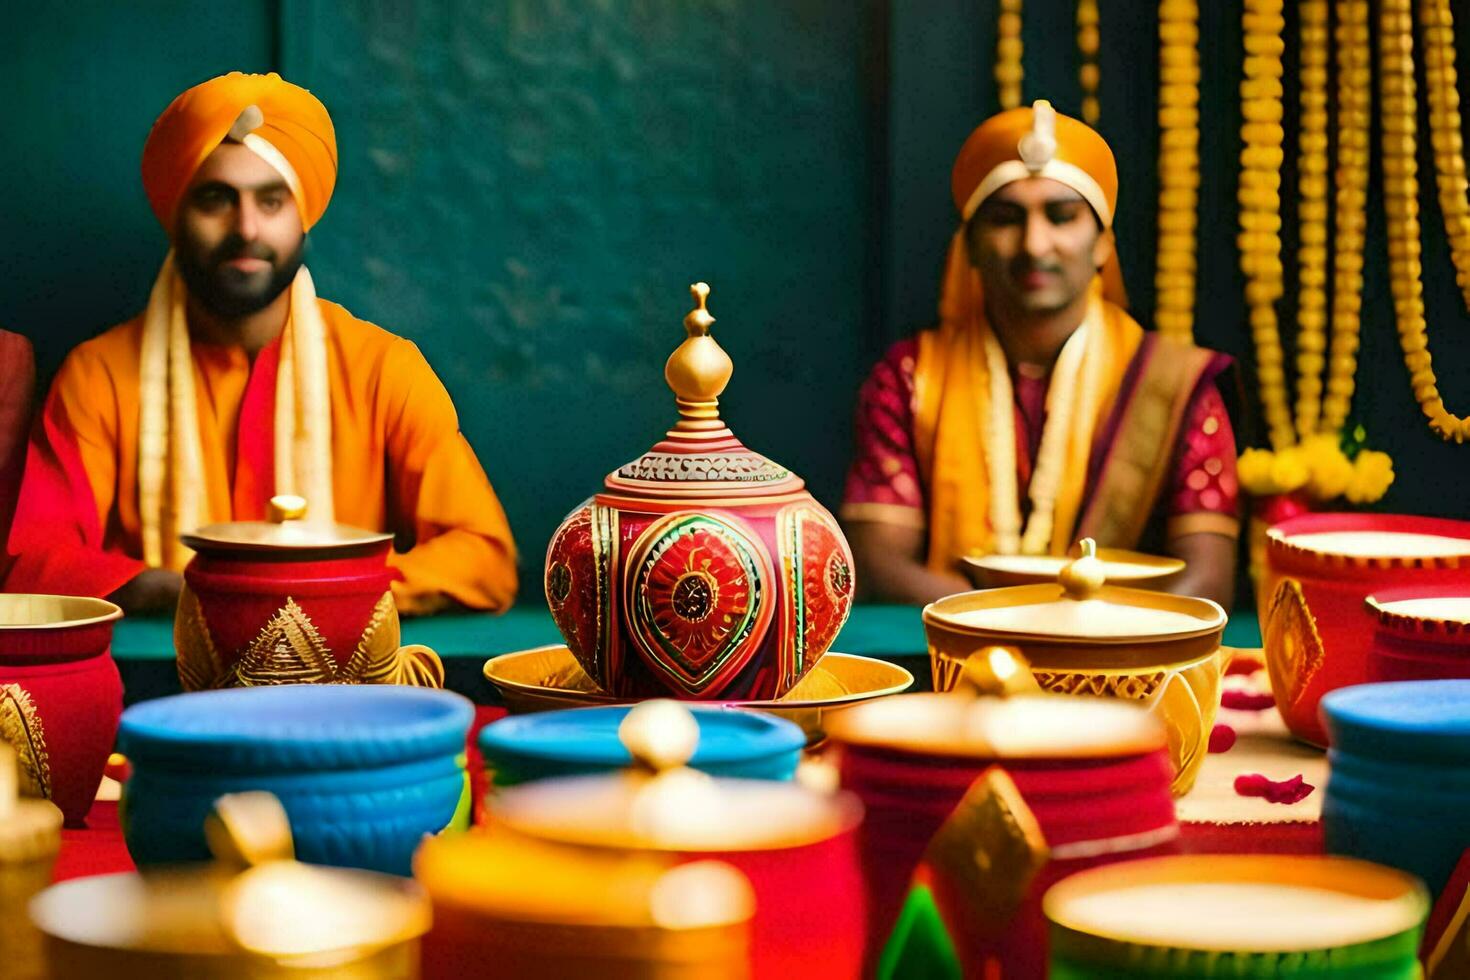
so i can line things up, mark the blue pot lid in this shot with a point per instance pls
(1417, 721)
(589, 736)
(312, 727)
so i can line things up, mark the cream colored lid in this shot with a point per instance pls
(1454, 609)
(1018, 727)
(1080, 606)
(1118, 565)
(289, 528)
(1240, 903)
(662, 805)
(1381, 544)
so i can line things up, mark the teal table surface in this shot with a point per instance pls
(883, 631)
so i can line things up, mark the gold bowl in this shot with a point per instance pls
(547, 678)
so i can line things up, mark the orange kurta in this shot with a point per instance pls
(399, 464)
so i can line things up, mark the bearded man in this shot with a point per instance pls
(237, 383)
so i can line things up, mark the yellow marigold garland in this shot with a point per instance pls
(1316, 462)
(1401, 205)
(1437, 24)
(1008, 70)
(1087, 46)
(1311, 336)
(1350, 213)
(1174, 271)
(1260, 205)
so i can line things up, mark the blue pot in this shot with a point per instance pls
(1399, 788)
(732, 742)
(364, 772)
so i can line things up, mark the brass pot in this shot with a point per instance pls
(255, 913)
(1083, 636)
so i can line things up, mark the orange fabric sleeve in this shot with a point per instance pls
(438, 492)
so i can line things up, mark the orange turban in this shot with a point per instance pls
(283, 123)
(1032, 141)
(1035, 142)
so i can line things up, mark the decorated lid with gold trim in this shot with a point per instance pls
(1079, 606)
(662, 805)
(289, 527)
(700, 456)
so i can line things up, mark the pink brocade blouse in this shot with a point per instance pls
(1201, 493)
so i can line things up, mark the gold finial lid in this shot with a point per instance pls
(30, 830)
(700, 456)
(699, 369)
(286, 528)
(998, 672)
(1082, 577)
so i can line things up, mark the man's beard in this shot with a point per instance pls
(226, 292)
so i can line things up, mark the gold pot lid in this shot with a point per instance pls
(1026, 726)
(662, 805)
(1119, 565)
(700, 457)
(1079, 607)
(1371, 543)
(289, 528)
(1450, 612)
(253, 901)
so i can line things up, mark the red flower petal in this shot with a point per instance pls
(1222, 738)
(1287, 791)
(1246, 700)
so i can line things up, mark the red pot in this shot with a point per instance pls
(705, 571)
(288, 601)
(1319, 570)
(1106, 802)
(60, 695)
(1423, 634)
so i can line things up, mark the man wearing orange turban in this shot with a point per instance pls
(1038, 412)
(237, 384)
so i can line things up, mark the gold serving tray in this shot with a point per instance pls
(547, 678)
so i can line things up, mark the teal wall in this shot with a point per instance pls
(528, 186)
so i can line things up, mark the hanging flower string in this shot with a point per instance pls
(1088, 42)
(1437, 26)
(1008, 70)
(1174, 269)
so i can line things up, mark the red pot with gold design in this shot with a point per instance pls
(292, 601)
(60, 695)
(703, 570)
(1320, 569)
(1423, 634)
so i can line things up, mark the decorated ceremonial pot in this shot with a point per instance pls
(1398, 790)
(60, 695)
(522, 907)
(1320, 569)
(795, 845)
(704, 570)
(254, 913)
(1080, 635)
(1423, 634)
(363, 771)
(1237, 915)
(292, 601)
(976, 804)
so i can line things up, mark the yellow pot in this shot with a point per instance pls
(1083, 636)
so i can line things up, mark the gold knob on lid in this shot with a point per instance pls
(247, 829)
(30, 830)
(997, 672)
(1083, 576)
(285, 507)
(659, 734)
(699, 368)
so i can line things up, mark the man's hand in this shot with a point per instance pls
(153, 590)
(891, 568)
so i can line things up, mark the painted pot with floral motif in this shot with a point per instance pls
(292, 601)
(60, 695)
(703, 570)
(1320, 569)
